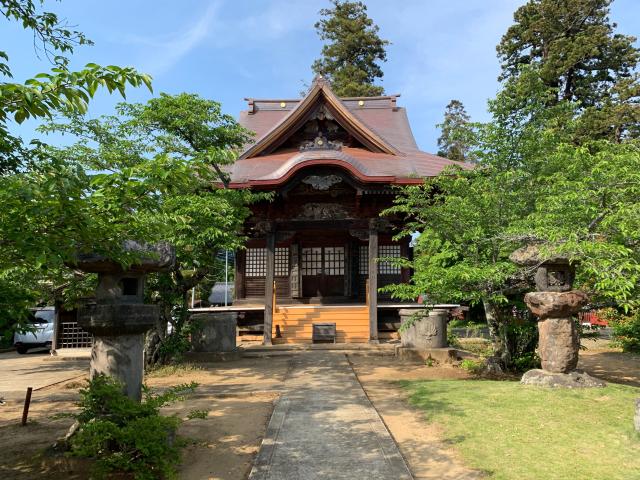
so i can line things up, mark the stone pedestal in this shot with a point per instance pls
(558, 336)
(122, 358)
(636, 418)
(428, 330)
(215, 332)
(558, 344)
(574, 379)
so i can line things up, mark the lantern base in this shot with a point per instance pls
(575, 379)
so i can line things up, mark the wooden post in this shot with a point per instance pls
(240, 266)
(27, 403)
(268, 286)
(372, 289)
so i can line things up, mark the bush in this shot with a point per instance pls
(474, 367)
(124, 435)
(520, 338)
(626, 328)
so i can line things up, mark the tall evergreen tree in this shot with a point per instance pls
(580, 58)
(457, 134)
(350, 58)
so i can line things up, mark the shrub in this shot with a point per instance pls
(626, 328)
(124, 435)
(520, 338)
(474, 367)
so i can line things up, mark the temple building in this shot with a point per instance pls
(310, 268)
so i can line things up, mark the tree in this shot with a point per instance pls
(579, 57)
(532, 184)
(162, 177)
(43, 220)
(46, 93)
(350, 59)
(457, 135)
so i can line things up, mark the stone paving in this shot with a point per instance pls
(324, 427)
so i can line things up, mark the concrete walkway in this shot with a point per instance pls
(324, 427)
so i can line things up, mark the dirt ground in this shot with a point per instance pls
(610, 364)
(239, 395)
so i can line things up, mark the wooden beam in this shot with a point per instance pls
(268, 285)
(373, 281)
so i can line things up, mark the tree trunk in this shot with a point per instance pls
(494, 322)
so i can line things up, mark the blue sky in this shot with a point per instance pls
(227, 50)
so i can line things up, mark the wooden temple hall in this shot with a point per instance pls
(310, 265)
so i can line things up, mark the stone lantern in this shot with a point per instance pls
(119, 318)
(554, 304)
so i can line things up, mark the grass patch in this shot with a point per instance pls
(520, 432)
(479, 346)
(173, 370)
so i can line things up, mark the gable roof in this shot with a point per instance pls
(319, 92)
(388, 152)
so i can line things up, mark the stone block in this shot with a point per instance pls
(636, 418)
(573, 379)
(428, 330)
(440, 355)
(214, 332)
(555, 304)
(120, 357)
(558, 344)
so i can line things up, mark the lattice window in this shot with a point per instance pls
(256, 262)
(387, 268)
(384, 268)
(334, 260)
(72, 336)
(282, 262)
(363, 257)
(312, 261)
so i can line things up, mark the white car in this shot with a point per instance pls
(41, 336)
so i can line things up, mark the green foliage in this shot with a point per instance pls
(350, 59)
(123, 435)
(200, 414)
(520, 339)
(573, 47)
(457, 134)
(46, 216)
(532, 184)
(453, 340)
(162, 176)
(626, 328)
(61, 90)
(474, 367)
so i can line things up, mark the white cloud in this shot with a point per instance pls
(164, 52)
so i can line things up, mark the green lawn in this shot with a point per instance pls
(520, 432)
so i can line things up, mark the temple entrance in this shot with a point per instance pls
(323, 271)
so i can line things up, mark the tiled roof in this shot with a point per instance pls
(398, 161)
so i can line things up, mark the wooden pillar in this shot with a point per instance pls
(268, 285)
(238, 290)
(373, 281)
